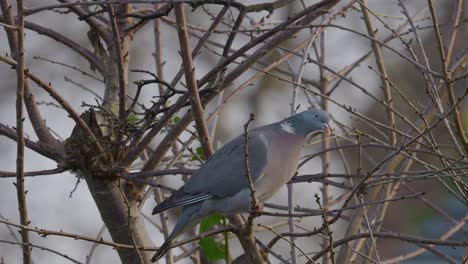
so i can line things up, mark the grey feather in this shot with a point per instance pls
(220, 185)
(219, 176)
(188, 218)
(179, 198)
(224, 173)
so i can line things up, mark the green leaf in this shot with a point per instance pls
(212, 250)
(132, 119)
(200, 150)
(210, 221)
(176, 120)
(200, 153)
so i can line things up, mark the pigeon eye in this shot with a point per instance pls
(316, 116)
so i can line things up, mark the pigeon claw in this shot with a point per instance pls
(258, 207)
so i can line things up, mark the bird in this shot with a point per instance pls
(221, 184)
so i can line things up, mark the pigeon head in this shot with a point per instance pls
(306, 122)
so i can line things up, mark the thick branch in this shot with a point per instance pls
(34, 146)
(122, 86)
(114, 212)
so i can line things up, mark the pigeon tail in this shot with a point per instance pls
(162, 250)
(188, 217)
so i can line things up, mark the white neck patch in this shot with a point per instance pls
(286, 127)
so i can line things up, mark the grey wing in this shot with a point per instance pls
(181, 198)
(224, 173)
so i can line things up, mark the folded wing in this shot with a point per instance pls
(223, 174)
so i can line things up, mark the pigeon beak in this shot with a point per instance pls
(317, 132)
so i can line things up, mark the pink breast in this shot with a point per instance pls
(284, 157)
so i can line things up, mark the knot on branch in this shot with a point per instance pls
(81, 153)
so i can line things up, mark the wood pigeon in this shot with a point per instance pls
(221, 184)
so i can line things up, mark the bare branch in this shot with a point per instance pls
(20, 190)
(122, 83)
(35, 146)
(5, 174)
(88, 55)
(448, 77)
(42, 248)
(192, 87)
(37, 121)
(75, 116)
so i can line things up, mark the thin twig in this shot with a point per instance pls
(42, 248)
(20, 190)
(46, 232)
(192, 87)
(448, 78)
(51, 91)
(248, 230)
(70, 67)
(335, 211)
(253, 199)
(148, 174)
(327, 228)
(396, 236)
(158, 54)
(34, 114)
(95, 245)
(6, 174)
(290, 242)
